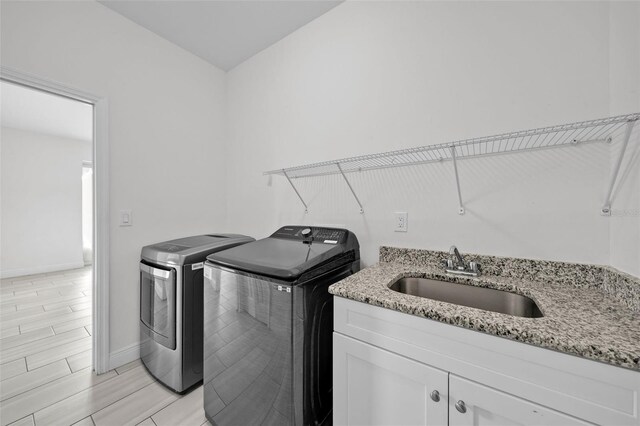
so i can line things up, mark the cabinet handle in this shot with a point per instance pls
(461, 407)
(435, 396)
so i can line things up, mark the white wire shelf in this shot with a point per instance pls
(601, 130)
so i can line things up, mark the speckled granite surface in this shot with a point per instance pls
(583, 313)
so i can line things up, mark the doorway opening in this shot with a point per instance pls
(49, 228)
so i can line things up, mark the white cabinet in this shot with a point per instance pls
(387, 363)
(472, 404)
(376, 387)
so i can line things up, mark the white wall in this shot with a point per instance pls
(624, 82)
(625, 211)
(166, 128)
(41, 202)
(376, 76)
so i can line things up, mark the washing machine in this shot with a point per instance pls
(171, 285)
(268, 324)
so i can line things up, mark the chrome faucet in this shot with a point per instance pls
(453, 251)
(455, 264)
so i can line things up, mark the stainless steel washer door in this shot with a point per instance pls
(158, 302)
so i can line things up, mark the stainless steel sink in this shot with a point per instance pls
(488, 299)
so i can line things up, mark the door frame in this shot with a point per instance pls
(101, 208)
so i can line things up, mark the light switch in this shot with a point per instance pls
(125, 218)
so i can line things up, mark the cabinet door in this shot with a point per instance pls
(485, 406)
(372, 386)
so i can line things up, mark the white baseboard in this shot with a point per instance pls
(124, 356)
(43, 269)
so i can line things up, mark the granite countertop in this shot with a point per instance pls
(589, 315)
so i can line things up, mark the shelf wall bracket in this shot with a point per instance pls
(606, 209)
(455, 169)
(350, 188)
(306, 209)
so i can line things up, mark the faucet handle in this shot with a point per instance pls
(473, 266)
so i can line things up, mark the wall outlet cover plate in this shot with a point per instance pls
(401, 222)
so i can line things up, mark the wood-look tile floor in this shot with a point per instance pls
(45, 363)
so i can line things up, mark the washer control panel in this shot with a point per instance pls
(319, 235)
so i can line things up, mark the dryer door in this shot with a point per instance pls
(158, 302)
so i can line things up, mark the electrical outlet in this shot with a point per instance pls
(402, 222)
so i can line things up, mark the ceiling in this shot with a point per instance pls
(224, 33)
(37, 111)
